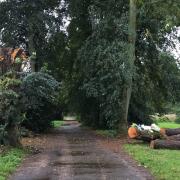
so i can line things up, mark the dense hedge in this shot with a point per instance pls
(31, 101)
(40, 92)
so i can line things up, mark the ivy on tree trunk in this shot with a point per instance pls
(132, 57)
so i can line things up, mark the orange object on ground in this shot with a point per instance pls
(132, 132)
(163, 131)
(1, 58)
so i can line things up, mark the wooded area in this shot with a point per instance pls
(108, 62)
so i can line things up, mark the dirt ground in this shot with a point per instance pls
(75, 153)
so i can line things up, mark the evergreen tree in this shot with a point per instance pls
(29, 24)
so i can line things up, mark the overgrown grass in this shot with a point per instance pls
(9, 162)
(168, 125)
(57, 123)
(164, 164)
(107, 133)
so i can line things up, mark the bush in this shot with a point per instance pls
(40, 92)
(178, 120)
(11, 110)
(158, 119)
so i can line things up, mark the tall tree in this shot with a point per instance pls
(98, 85)
(132, 58)
(29, 24)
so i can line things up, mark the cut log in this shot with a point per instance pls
(133, 132)
(165, 144)
(163, 131)
(174, 138)
(144, 135)
(148, 136)
(171, 132)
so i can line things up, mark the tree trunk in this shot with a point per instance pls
(132, 57)
(171, 132)
(175, 137)
(146, 136)
(13, 136)
(165, 144)
(31, 48)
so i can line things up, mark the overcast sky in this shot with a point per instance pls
(176, 51)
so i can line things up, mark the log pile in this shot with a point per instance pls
(158, 138)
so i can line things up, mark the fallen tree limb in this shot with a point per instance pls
(171, 132)
(165, 144)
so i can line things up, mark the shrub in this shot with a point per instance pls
(178, 120)
(40, 92)
(11, 110)
(157, 118)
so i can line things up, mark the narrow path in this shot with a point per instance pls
(73, 153)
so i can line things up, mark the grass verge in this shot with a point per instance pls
(57, 123)
(164, 164)
(168, 125)
(9, 162)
